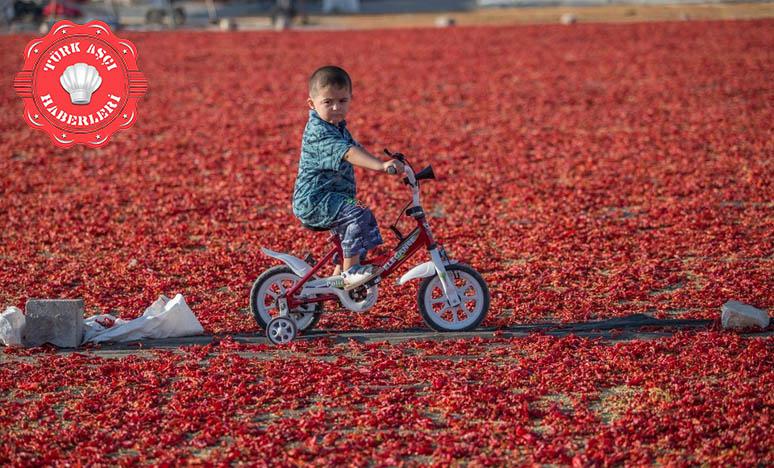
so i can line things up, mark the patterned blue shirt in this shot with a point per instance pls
(325, 180)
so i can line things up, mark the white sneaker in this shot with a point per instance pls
(357, 274)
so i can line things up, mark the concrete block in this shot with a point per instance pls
(735, 314)
(56, 321)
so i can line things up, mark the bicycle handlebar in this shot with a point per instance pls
(398, 156)
(409, 179)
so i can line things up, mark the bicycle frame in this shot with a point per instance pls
(419, 237)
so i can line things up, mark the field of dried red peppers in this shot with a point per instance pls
(684, 400)
(588, 172)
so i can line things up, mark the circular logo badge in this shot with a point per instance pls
(80, 84)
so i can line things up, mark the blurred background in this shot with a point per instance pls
(145, 15)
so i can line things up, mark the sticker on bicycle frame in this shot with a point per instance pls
(401, 252)
(80, 84)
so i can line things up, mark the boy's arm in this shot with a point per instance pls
(358, 156)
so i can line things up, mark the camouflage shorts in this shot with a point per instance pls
(356, 227)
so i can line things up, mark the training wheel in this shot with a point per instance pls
(281, 330)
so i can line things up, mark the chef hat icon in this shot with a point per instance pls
(80, 80)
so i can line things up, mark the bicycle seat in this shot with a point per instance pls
(317, 229)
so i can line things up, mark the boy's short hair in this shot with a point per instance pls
(329, 75)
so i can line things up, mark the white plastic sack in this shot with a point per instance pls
(12, 323)
(164, 318)
(97, 324)
(736, 314)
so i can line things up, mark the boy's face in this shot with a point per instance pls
(331, 103)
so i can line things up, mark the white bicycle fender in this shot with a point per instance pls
(420, 271)
(298, 266)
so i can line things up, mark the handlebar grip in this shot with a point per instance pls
(391, 170)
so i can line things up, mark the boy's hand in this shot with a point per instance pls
(393, 163)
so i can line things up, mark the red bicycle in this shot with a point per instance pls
(452, 297)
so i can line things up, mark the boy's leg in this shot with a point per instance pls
(349, 262)
(358, 232)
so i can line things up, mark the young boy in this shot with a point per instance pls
(324, 194)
